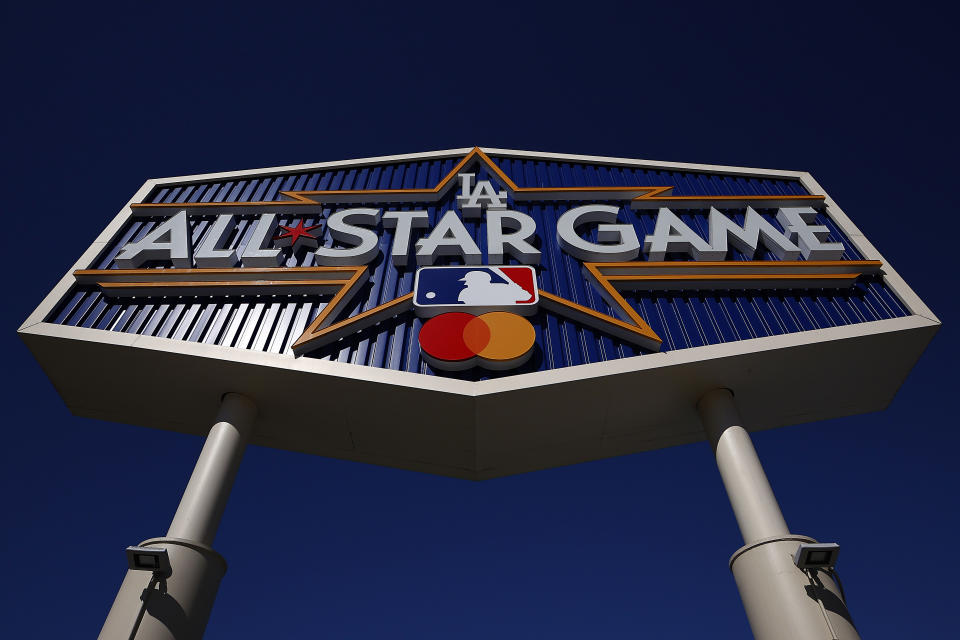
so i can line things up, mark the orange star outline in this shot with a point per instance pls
(609, 278)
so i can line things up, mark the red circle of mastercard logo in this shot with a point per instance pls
(495, 340)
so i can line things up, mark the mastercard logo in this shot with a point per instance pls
(495, 340)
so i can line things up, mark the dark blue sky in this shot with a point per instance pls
(98, 100)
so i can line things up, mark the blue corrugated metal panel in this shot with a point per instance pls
(272, 323)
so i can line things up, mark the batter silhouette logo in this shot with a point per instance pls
(476, 315)
(475, 289)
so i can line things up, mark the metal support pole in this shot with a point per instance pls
(180, 608)
(751, 496)
(782, 601)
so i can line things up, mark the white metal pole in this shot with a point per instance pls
(782, 601)
(205, 497)
(751, 496)
(177, 607)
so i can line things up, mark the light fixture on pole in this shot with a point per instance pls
(821, 555)
(154, 559)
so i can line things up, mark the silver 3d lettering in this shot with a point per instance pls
(589, 232)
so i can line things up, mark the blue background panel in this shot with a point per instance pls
(683, 319)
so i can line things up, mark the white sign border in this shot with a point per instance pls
(921, 315)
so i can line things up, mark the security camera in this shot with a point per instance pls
(148, 559)
(821, 555)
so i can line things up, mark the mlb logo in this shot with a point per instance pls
(476, 290)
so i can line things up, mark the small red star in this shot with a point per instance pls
(296, 236)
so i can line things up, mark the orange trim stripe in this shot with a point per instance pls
(607, 282)
(346, 281)
(736, 264)
(317, 335)
(339, 300)
(711, 274)
(232, 275)
(226, 284)
(705, 277)
(639, 328)
(653, 201)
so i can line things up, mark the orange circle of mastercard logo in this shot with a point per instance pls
(495, 340)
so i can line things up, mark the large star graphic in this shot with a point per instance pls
(610, 278)
(298, 236)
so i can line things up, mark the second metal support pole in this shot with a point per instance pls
(751, 496)
(782, 601)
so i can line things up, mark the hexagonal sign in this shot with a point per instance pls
(479, 312)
